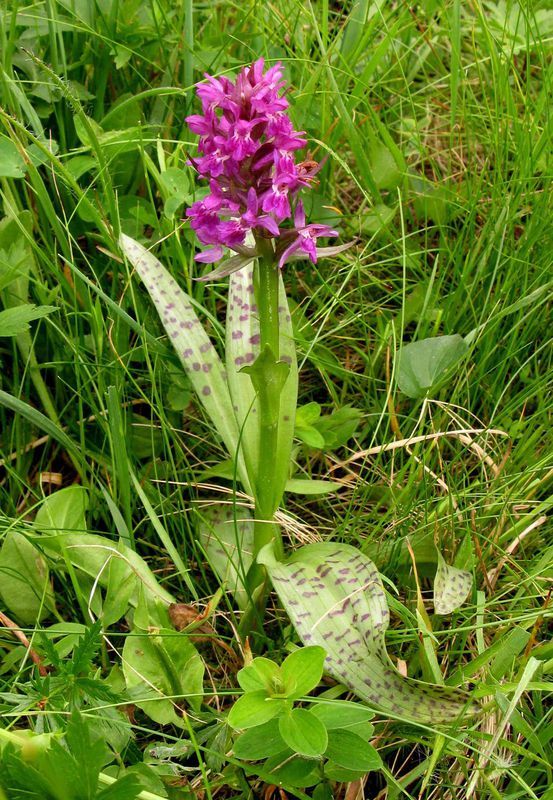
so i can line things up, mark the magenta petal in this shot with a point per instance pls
(290, 250)
(209, 256)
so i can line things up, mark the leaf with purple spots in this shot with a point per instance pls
(226, 535)
(451, 587)
(334, 596)
(194, 348)
(242, 349)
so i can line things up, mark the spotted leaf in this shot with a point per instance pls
(451, 587)
(334, 596)
(194, 348)
(242, 349)
(226, 534)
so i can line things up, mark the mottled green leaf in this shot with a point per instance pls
(226, 534)
(335, 598)
(451, 587)
(242, 349)
(192, 344)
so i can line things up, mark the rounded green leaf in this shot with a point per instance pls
(302, 671)
(350, 751)
(260, 742)
(289, 770)
(252, 709)
(423, 364)
(303, 733)
(342, 714)
(262, 673)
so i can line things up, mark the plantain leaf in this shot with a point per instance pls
(194, 348)
(162, 670)
(425, 363)
(25, 587)
(226, 534)
(335, 598)
(61, 520)
(451, 587)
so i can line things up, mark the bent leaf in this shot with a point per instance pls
(451, 587)
(194, 348)
(230, 265)
(226, 534)
(61, 521)
(334, 596)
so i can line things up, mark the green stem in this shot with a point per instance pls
(266, 285)
(266, 288)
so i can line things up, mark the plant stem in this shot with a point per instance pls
(266, 288)
(266, 285)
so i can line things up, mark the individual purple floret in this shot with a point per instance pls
(247, 151)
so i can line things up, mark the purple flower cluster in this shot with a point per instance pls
(247, 152)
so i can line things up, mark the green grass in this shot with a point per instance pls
(435, 120)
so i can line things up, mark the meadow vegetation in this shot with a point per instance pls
(121, 630)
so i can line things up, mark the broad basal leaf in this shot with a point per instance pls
(226, 534)
(25, 587)
(194, 348)
(165, 672)
(451, 587)
(335, 598)
(61, 520)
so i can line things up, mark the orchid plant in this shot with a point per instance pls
(253, 222)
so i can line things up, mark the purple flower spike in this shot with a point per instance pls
(246, 150)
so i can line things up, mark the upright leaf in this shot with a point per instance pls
(194, 348)
(242, 349)
(335, 598)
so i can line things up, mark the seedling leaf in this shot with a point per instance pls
(303, 733)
